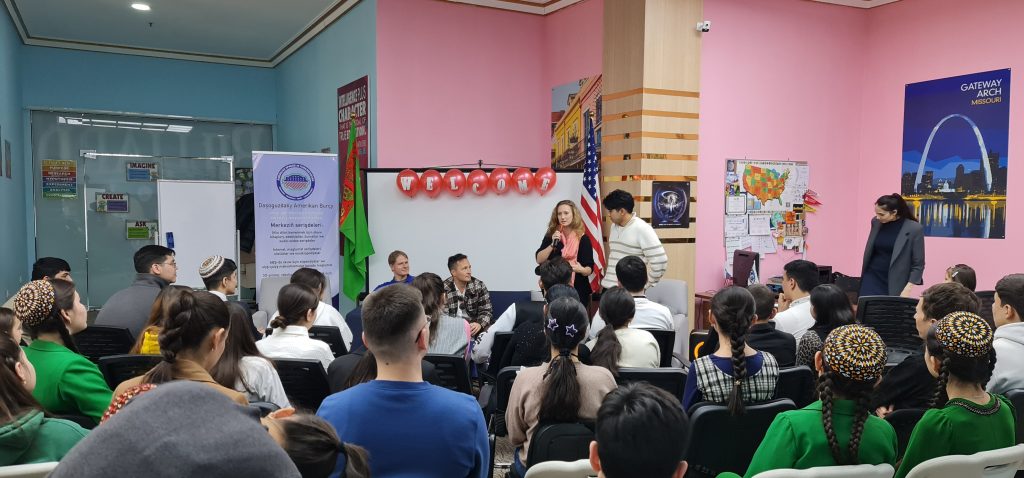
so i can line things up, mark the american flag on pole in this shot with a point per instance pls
(590, 201)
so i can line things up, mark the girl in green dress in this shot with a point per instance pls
(959, 353)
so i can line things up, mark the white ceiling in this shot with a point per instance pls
(858, 3)
(247, 32)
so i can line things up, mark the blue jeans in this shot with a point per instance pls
(517, 464)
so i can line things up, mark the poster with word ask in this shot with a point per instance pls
(144, 230)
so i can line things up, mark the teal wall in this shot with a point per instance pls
(14, 210)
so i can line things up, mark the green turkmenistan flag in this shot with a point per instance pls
(357, 245)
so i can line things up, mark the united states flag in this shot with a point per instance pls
(590, 201)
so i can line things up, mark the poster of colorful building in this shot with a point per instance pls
(571, 103)
(955, 138)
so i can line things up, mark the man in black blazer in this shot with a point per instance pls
(762, 334)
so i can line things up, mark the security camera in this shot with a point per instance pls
(704, 26)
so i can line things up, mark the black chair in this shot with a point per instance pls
(904, 421)
(332, 336)
(101, 341)
(1016, 397)
(697, 340)
(669, 379)
(987, 297)
(559, 442)
(501, 341)
(506, 377)
(118, 368)
(893, 319)
(797, 384)
(304, 381)
(452, 370)
(666, 342)
(81, 420)
(722, 442)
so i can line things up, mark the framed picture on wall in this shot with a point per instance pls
(7, 158)
(670, 204)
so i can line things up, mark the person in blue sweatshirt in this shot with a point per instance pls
(409, 427)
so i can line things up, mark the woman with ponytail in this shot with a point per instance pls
(562, 390)
(617, 345)
(967, 420)
(838, 429)
(831, 309)
(26, 434)
(448, 335)
(296, 309)
(313, 445)
(191, 342)
(736, 373)
(68, 383)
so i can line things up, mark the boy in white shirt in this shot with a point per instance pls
(632, 276)
(798, 278)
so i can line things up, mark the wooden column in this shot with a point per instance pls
(651, 95)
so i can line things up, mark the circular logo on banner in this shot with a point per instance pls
(295, 181)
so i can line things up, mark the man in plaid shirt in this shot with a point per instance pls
(466, 297)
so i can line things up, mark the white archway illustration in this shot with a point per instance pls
(981, 146)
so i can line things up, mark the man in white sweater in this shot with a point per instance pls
(798, 278)
(631, 236)
(1009, 337)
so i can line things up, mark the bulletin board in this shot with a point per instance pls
(765, 206)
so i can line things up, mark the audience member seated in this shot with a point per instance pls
(448, 335)
(409, 428)
(562, 390)
(26, 434)
(831, 309)
(10, 325)
(179, 429)
(148, 342)
(398, 261)
(1008, 341)
(191, 343)
(958, 351)
(735, 373)
(799, 277)
(632, 276)
(220, 276)
(640, 431)
(360, 366)
(551, 272)
(314, 446)
(296, 313)
(243, 368)
(963, 274)
(66, 382)
(47, 268)
(326, 314)
(565, 238)
(838, 429)
(617, 345)
(910, 384)
(762, 334)
(529, 345)
(466, 296)
(156, 269)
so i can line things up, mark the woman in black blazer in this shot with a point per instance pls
(565, 238)
(894, 254)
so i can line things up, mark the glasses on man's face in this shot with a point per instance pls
(171, 264)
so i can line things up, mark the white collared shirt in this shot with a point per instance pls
(648, 315)
(293, 342)
(797, 319)
(220, 294)
(327, 315)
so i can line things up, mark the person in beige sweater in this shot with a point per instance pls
(562, 390)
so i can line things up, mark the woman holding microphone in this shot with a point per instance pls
(565, 239)
(894, 254)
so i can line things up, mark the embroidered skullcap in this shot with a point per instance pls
(34, 302)
(855, 352)
(210, 266)
(964, 334)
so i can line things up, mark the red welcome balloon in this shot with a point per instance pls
(477, 179)
(523, 180)
(430, 181)
(501, 181)
(408, 182)
(455, 182)
(544, 180)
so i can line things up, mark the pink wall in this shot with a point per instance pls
(573, 40)
(918, 40)
(781, 80)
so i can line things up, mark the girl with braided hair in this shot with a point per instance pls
(51, 312)
(562, 390)
(968, 420)
(191, 342)
(838, 429)
(736, 373)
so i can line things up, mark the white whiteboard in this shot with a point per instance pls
(201, 216)
(500, 234)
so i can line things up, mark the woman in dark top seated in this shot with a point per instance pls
(894, 254)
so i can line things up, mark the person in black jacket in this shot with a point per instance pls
(762, 334)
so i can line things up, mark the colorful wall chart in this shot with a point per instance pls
(59, 178)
